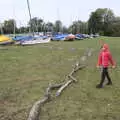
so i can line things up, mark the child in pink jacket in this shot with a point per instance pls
(104, 59)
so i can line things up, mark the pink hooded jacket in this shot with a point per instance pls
(105, 57)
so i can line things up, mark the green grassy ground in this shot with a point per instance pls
(25, 72)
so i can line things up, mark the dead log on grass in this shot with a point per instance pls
(35, 110)
(63, 87)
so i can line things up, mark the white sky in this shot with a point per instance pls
(51, 10)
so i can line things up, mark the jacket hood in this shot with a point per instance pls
(106, 47)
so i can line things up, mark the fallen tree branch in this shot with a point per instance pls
(63, 87)
(52, 87)
(74, 79)
(79, 68)
(75, 69)
(35, 110)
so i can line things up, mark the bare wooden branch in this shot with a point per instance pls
(80, 67)
(71, 73)
(35, 110)
(52, 87)
(56, 86)
(73, 78)
(63, 87)
(76, 69)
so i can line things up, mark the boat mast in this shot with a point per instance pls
(31, 29)
(14, 23)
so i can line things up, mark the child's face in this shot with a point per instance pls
(103, 49)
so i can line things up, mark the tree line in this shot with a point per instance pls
(102, 21)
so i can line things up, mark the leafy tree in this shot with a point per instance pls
(58, 26)
(108, 21)
(36, 24)
(101, 21)
(23, 29)
(65, 29)
(78, 27)
(116, 27)
(1, 28)
(49, 27)
(9, 26)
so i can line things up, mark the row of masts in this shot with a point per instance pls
(31, 30)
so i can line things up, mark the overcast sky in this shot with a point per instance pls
(51, 10)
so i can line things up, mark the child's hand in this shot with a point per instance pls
(113, 66)
(98, 66)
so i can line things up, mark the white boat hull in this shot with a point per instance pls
(37, 41)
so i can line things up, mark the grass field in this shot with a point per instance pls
(26, 71)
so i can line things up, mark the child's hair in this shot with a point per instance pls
(106, 46)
